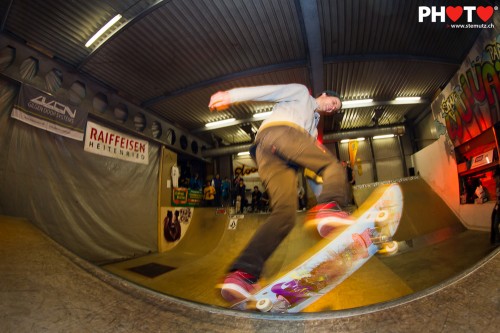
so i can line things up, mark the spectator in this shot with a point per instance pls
(351, 181)
(195, 183)
(226, 191)
(217, 184)
(240, 192)
(236, 183)
(256, 196)
(209, 194)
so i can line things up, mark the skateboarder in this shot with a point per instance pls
(285, 142)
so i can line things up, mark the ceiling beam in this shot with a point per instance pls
(6, 15)
(296, 64)
(310, 20)
(221, 79)
(389, 57)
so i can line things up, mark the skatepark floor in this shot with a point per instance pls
(46, 288)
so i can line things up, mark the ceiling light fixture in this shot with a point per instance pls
(385, 136)
(348, 140)
(408, 99)
(357, 103)
(362, 103)
(262, 115)
(103, 30)
(220, 122)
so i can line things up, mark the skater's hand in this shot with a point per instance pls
(219, 101)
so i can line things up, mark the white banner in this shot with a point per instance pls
(41, 110)
(107, 142)
(245, 167)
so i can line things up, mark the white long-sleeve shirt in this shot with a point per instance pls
(294, 105)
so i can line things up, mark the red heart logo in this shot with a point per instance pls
(484, 13)
(454, 13)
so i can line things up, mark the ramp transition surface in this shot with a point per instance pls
(428, 227)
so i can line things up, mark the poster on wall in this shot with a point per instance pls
(182, 196)
(107, 142)
(42, 110)
(174, 223)
(470, 103)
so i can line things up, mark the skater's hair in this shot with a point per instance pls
(331, 93)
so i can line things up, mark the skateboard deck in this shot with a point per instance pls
(335, 258)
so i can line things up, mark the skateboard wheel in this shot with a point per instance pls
(264, 305)
(381, 216)
(389, 248)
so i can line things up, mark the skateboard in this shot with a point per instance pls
(238, 204)
(335, 258)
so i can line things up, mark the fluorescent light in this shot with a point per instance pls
(243, 153)
(262, 114)
(407, 99)
(357, 103)
(385, 136)
(103, 30)
(220, 122)
(348, 140)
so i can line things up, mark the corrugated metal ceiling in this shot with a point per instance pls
(170, 56)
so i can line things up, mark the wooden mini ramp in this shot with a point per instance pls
(202, 258)
(211, 245)
(424, 214)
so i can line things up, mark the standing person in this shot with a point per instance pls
(195, 183)
(350, 174)
(217, 184)
(350, 179)
(209, 194)
(236, 183)
(285, 141)
(226, 192)
(256, 196)
(240, 192)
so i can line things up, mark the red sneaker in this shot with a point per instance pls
(326, 217)
(238, 286)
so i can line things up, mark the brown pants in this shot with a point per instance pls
(280, 152)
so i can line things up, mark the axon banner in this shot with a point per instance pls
(107, 142)
(44, 111)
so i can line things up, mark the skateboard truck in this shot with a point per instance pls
(279, 306)
(380, 239)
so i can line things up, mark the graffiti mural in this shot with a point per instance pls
(470, 103)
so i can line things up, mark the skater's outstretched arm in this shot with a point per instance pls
(270, 93)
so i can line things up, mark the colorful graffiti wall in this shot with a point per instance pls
(470, 103)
